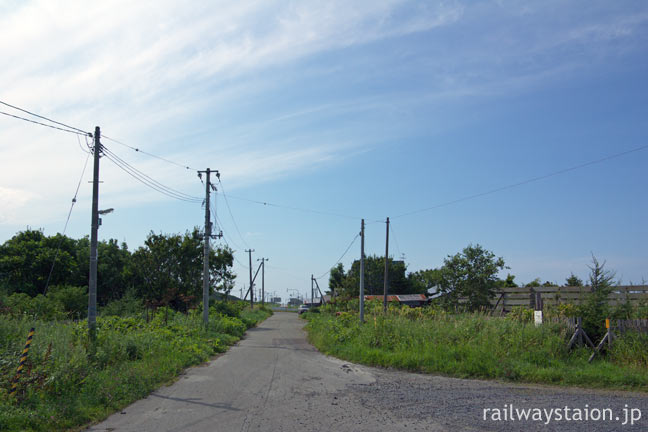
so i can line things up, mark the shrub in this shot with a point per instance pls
(73, 299)
(128, 305)
(39, 307)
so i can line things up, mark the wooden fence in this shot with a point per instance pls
(508, 298)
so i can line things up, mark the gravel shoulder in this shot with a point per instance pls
(275, 380)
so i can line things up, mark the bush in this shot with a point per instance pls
(73, 299)
(39, 307)
(70, 382)
(231, 309)
(128, 305)
(476, 345)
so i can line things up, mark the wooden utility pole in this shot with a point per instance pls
(362, 228)
(386, 268)
(94, 226)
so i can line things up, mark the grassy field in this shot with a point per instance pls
(67, 382)
(477, 346)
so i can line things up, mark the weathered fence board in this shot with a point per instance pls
(510, 297)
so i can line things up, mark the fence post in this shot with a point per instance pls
(531, 298)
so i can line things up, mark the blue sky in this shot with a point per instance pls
(368, 109)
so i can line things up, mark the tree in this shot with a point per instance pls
(471, 274)
(595, 309)
(336, 279)
(574, 281)
(26, 260)
(375, 276)
(113, 277)
(423, 281)
(167, 270)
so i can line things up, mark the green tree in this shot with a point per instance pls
(472, 275)
(424, 280)
(595, 309)
(167, 270)
(375, 276)
(509, 282)
(574, 281)
(113, 270)
(336, 279)
(26, 260)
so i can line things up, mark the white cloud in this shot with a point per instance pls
(143, 70)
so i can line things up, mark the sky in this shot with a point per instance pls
(344, 110)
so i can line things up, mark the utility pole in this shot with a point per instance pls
(207, 237)
(94, 226)
(263, 260)
(206, 251)
(386, 267)
(249, 251)
(312, 295)
(362, 226)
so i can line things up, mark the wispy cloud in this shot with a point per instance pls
(145, 71)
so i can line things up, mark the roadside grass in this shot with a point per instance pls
(70, 383)
(477, 346)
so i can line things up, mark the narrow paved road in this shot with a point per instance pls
(275, 381)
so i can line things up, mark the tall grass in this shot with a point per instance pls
(478, 346)
(68, 382)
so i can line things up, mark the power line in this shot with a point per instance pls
(150, 154)
(147, 180)
(301, 209)
(229, 209)
(85, 150)
(45, 118)
(42, 124)
(531, 180)
(339, 259)
(220, 225)
(391, 228)
(60, 242)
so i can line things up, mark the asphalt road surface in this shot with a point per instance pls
(274, 380)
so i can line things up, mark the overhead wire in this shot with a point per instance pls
(339, 259)
(67, 220)
(301, 209)
(149, 154)
(42, 124)
(227, 242)
(229, 209)
(147, 180)
(391, 229)
(81, 131)
(85, 150)
(523, 182)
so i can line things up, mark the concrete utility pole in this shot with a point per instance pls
(206, 250)
(94, 226)
(249, 251)
(263, 260)
(207, 237)
(386, 268)
(312, 290)
(362, 271)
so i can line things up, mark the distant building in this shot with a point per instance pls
(411, 300)
(275, 300)
(294, 302)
